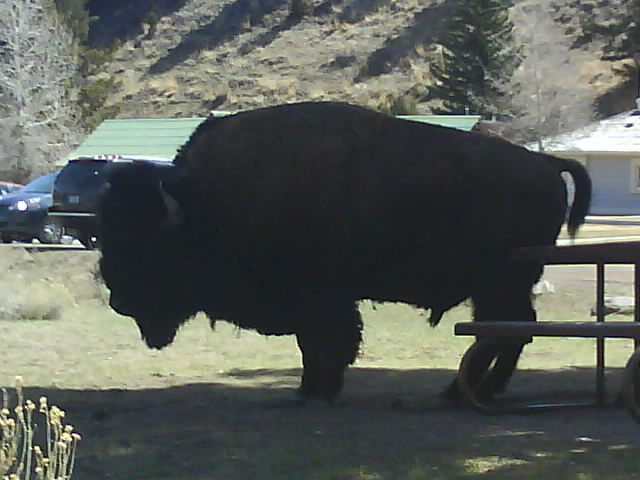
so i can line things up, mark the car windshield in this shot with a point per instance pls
(81, 176)
(42, 184)
(8, 187)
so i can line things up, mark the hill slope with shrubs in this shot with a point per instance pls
(187, 57)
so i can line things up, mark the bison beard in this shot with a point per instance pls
(281, 219)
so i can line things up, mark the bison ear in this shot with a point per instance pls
(174, 212)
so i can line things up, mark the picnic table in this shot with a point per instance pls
(520, 332)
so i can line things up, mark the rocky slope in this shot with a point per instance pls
(233, 54)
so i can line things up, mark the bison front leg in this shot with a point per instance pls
(329, 344)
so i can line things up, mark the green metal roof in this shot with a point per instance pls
(143, 137)
(162, 137)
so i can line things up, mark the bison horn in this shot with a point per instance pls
(174, 212)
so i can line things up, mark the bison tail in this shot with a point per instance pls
(582, 194)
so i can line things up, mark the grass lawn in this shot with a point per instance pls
(209, 406)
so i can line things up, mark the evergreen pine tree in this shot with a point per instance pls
(478, 57)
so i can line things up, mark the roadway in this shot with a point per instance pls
(596, 230)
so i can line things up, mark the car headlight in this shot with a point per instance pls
(24, 205)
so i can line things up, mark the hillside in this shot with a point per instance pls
(233, 54)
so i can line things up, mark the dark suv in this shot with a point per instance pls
(76, 191)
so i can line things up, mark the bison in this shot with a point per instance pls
(282, 219)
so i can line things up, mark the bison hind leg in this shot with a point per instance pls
(329, 342)
(506, 296)
(497, 379)
(484, 356)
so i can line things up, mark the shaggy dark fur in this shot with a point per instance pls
(291, 214)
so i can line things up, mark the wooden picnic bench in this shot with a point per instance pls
(523, 332)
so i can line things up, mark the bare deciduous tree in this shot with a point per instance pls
(38, 64)
(550, 87)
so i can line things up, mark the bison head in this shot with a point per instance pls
(141, 228)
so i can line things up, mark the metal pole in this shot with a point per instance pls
(636, 302)
(600, 386)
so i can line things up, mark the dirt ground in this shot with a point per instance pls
(211, 405)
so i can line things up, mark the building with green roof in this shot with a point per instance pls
(139, 137)
(162, 137)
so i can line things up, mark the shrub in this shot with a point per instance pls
(19, 456)
(38, 300)
(42, 286)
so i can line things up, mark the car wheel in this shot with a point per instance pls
(51, 232)
(89, 241)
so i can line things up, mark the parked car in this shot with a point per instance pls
(8, 187)
(77, 188)
(24, 213)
